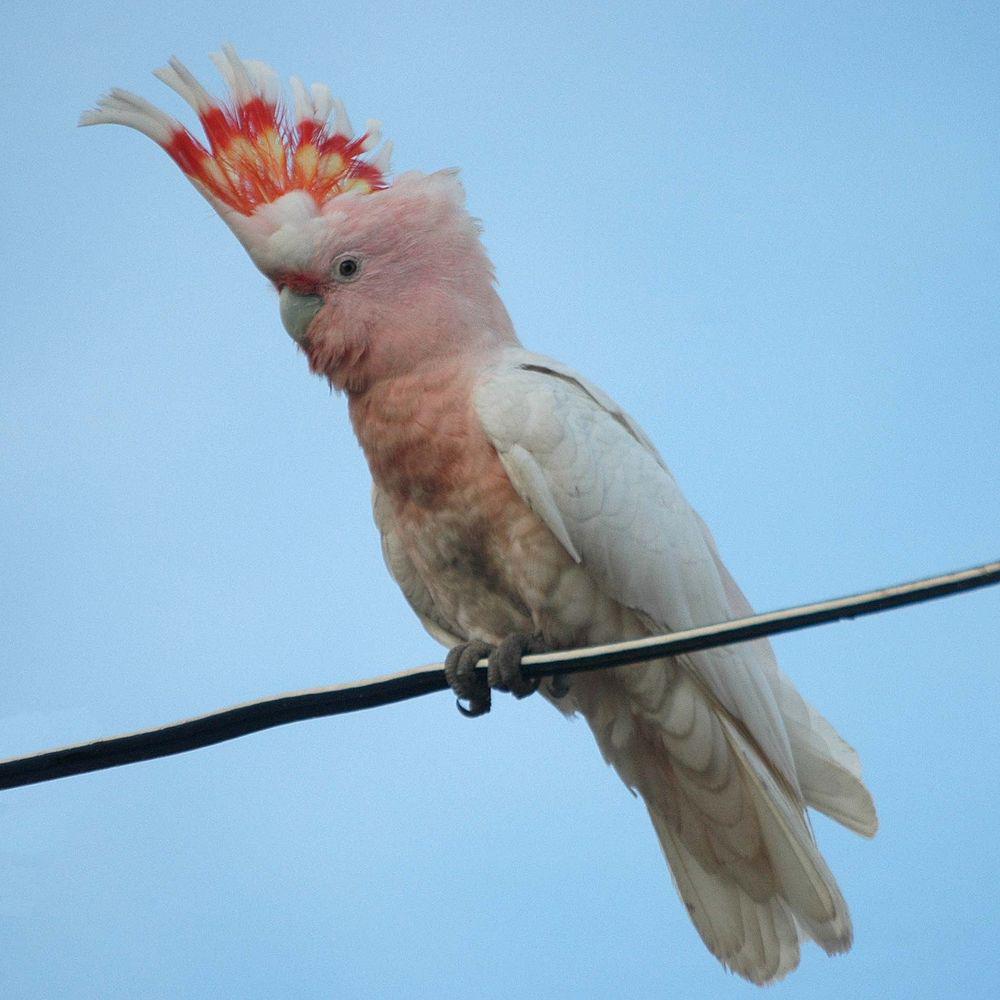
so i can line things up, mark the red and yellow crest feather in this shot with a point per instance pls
(257, 150)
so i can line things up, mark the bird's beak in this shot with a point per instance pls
(298, 311)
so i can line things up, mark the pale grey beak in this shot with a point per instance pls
(297, 312)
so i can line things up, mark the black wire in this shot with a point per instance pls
(279, 710)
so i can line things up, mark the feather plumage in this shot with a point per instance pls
(514, 496)
(722, 748)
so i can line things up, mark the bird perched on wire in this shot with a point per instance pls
(521, 509)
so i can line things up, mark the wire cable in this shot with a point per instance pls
(279, 710)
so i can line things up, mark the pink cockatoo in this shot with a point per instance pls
(520, 508)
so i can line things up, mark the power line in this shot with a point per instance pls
(279, 710)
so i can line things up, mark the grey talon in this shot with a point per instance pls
(460, 672)
(505, 672)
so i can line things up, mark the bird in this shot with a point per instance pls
(521, 509)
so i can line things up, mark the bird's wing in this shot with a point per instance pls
(405, 574)
(828, 767)
(724, 751)
(596, 480)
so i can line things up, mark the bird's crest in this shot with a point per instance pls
(258, 150)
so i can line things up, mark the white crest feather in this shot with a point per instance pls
(122, 107)
(182, 81)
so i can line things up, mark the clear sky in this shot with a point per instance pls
(769, 230)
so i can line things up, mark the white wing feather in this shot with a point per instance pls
(725, 753)
(624, 513)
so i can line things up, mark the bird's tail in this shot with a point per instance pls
(752, 897)
(734, 833)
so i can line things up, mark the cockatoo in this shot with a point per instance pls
(520, 508)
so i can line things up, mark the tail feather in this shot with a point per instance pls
(758, 940)
(732, 827)
(734, 833)
(828, 768)
(755, 886)
(802, 877)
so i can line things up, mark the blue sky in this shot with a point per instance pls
(769, 230)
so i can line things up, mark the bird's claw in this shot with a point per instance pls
(504, 672)
(460, 672)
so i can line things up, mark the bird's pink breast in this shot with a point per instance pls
(453, 508)
(452, 505)
(489, 562)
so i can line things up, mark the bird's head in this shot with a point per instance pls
(374, 278)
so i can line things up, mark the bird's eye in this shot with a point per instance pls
(347, 267)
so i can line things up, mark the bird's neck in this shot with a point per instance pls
(419, 337)
(418, 430)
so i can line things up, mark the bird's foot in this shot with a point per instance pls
(504, 672)
(460, 671)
